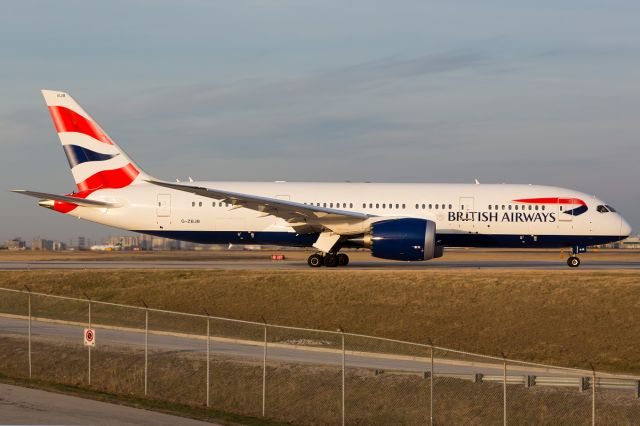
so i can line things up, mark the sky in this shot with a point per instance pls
(544, 92)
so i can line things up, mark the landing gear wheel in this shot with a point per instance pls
(330, 260)
(315, 260)
(573, 261)
(343, 259)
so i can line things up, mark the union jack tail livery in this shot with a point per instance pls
(96, 161)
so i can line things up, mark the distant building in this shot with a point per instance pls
(15, 244)
(41, 244)
(630, 243)
(82, 243)
(59, 245)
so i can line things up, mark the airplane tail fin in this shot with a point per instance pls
(96, 161)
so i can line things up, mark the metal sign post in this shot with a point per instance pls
(91, 341)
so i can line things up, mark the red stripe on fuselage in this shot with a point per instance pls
(67, 120)
(116, 178)
(64, 207)
(552, 201)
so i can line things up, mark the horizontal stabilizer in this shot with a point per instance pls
(66, 198)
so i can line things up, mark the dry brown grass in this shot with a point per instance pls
(305, 394)
(567, 318)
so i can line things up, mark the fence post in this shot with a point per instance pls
(29, 311)
(504, 389)
(343, 378)
(431, 373)
(208, 355)
(89, 346)
(593, 396)
(146, 345)
(264, 370)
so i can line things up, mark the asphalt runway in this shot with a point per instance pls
(20, 405)
(252, 264)
(276, 352)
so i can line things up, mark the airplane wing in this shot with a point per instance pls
(303, 218)
(66, 198)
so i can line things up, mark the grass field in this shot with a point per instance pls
(303, 394)
(567, 318)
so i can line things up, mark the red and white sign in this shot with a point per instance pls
(89, 337)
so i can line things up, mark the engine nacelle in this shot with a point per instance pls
(403, 239)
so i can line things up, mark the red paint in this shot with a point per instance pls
(66, 120)
(552, 201)
(116, 178)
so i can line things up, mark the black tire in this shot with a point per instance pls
(330, 260)
(315, 260)
(343, 259)
(573, 261)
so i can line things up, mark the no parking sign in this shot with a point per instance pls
(89, 337)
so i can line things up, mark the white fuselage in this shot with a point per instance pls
(465, 214)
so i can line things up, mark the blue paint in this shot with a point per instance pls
(291, 239)
(78, 155)
(399, 239)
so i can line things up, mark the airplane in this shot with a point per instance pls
(396, 221)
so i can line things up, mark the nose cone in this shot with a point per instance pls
(625, 228)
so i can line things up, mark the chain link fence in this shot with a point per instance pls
(292, 374)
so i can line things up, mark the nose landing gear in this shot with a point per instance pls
(330, 260)
(574, 261)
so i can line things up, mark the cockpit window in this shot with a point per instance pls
(602, 209)
(611, 209)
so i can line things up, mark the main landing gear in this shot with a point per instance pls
(330, 260)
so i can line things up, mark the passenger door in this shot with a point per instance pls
(163, 209)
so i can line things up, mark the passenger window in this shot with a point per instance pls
(509, 206)
(417, 206)
(324, 204)
(489, 207)
(200, 204)
(496, 206)
(436, 206)
(193, 204)
(377, 205)
(383, 206)
(350, 205)
(536, 207)
(430, 206)
(404, 206)
(450, 206)
(503, 207)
